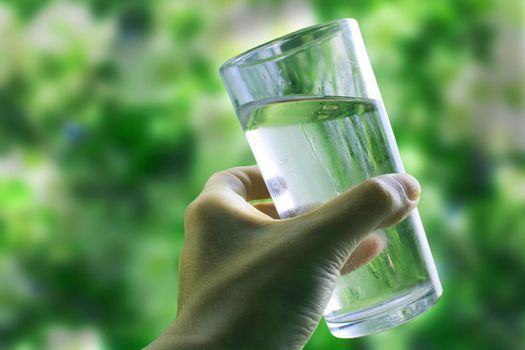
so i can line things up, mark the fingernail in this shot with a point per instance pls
(410, 185)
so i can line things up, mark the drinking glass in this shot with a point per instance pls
(315, 121)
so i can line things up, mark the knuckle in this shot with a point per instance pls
(218, 175)
(238, 174)
(233, 170)
(231, 176)
(190, 210)
(203, 207)
(230, 172)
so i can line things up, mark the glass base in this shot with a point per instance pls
(384, 316)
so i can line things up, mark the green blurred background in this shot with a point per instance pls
(113, 115)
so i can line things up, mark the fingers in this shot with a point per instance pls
(376, 202)
(268, 209)
(368, 248)
(227, 193)
(246, 182)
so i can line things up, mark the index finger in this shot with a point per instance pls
(245, 181)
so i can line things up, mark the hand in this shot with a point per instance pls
(250, 280)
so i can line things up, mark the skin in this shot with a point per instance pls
(249, 280)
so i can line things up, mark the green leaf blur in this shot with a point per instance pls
(113, 115)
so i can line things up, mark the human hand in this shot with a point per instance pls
(250, 280)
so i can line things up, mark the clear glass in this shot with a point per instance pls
(315, 121)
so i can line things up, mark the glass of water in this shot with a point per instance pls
(315, 121)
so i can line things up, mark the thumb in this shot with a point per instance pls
(377, 202)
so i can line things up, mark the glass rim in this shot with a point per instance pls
(244, 57)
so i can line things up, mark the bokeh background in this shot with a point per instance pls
(113, 115)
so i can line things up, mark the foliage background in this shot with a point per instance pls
(112, 116)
